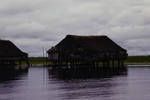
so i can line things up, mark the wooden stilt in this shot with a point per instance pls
(113, 63)
(20, 63)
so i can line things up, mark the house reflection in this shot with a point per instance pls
(8, 75)
(85, 72)
(83, 83)
(103, 88)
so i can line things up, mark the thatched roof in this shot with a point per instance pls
(88, 45)
(8, 50)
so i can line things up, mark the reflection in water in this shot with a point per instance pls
(86, 72)
(41, 84)
(86, 85)
(92, 89)
(8, 75)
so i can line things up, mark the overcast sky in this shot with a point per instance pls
(36, 24)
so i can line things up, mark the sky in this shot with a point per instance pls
(36, 24)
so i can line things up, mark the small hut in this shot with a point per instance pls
(11, 55)
(87, 50)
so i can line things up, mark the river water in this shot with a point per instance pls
(39, 84)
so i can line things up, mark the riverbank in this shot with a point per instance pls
(138, 60)
(138, 65)
(130, 61)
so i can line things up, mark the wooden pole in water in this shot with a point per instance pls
(43, 55)
(46, 58)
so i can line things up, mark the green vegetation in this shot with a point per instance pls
(138, 60)
(37, 60)
(129, 60)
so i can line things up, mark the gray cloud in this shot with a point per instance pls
(33, 25)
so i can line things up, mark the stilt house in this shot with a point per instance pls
(78, 50)
(11, 55)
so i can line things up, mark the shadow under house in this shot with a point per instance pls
(11, 57)
(96, 52)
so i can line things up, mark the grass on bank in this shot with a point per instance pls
(129, 60)
(138, 60)
(38, 60)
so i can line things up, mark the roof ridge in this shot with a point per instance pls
(86, 35)
(5, 40)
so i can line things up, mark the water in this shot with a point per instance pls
(39, 84)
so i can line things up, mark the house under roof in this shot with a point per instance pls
(87, 56)
(86, 48)
(10, 51)
(11, 57)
